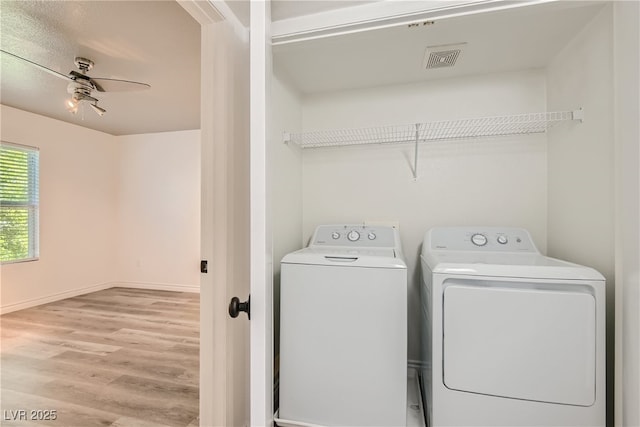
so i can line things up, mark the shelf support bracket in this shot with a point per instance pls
(578, 115)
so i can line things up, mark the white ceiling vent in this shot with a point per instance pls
(442, 56)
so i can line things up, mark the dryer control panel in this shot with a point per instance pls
(490, 239)
(350, 235)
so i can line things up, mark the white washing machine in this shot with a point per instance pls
(512, 338)
(343, 329)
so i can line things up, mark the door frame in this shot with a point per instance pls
(261, 377)
(214, 403)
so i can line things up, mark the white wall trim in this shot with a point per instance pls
(33, 302)
(382, 14)
(54, 297)
(626, 60)
(203, 12)
(261, 257)
(173, 287)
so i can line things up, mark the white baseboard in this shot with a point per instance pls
(157, 286)
(94, 288)
(51, 298)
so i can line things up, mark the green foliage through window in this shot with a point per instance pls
(18, 202)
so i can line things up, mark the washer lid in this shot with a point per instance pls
(526, 265)
(345, 257)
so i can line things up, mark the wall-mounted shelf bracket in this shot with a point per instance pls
(578, 114)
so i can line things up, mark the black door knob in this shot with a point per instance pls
(235, 307)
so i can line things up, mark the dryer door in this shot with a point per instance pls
(520, 340)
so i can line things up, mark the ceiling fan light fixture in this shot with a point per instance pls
(72, 105)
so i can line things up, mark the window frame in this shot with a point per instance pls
(33, 203)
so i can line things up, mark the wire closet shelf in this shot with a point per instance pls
(484, 127)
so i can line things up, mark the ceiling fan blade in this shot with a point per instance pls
(117, 85)
(42, 67)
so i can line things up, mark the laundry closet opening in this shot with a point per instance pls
(504, 65)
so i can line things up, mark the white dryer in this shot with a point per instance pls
(511, 337)
(343, 330)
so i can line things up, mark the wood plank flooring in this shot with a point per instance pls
(119, 357)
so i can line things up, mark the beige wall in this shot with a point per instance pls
(581, 192)
(286, 184)
(287, 171)
(581, 162)
(110, 213)
(158, 210)
(78, 193)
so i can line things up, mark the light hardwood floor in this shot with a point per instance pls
(118, 357)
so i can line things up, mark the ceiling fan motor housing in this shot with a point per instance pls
(81, 89)
(83, 64)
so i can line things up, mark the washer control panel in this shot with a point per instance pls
(355, 236)
(490, 239)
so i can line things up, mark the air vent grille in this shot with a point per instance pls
(442, 59)
(442, 56)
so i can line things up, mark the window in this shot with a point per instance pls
(18, 202)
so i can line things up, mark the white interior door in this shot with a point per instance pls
(225, 225)
(227, 217)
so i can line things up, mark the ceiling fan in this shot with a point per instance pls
(81, 86)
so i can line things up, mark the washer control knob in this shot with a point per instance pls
(371, 236)
(479, 239)
(335, 235)
(353, 236)
(502, 240)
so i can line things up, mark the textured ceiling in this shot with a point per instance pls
(155, 42)
(508, 40)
